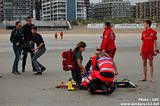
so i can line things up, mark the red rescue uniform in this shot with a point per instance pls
(61, 35)
(94, 62)
(56, 35)
(106, 73)
(108, 42)
(148, 40)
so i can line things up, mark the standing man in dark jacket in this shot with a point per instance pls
(27, 41)
(16, 39)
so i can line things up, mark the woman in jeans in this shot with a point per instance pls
(16, 39)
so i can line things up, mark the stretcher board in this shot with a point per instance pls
(120, 84)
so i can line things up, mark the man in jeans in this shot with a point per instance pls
(40, 50)
(27, 39)
(16, 39)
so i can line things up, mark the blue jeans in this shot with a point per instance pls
(17, 52)
(36, 64)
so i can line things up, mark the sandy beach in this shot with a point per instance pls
(30, 90)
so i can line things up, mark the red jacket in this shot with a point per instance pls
(108, 40)
(106, 65)
(94, 62)
(61, 34)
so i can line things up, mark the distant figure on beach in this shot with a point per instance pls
(56, 35)
(16, 39)
(78, 58)
(27, 42)
(61, 35)
(108, 41)
(149, 46)
(39, 51)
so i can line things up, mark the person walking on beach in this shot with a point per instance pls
(40, 50)
(78, 58)
(61, 35)
(27, 41)
(149, 46)
(56, 35)
(108, 41)
(16, 39)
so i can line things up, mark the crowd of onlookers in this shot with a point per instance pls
(23, 39)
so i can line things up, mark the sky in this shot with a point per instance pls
(133, 1)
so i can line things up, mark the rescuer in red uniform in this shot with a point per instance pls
(149, 46)
(106, 73)
(56, 35)
(61, 35)
(108, 41)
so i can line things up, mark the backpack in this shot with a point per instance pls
(68, 60)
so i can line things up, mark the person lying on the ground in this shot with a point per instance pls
(106, 73)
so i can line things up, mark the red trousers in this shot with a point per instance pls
(147, 55)
(94, 75)
(111, 52)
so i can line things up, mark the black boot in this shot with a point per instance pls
(16, 72)
(43, 69)
(23, 70)
(38, 73)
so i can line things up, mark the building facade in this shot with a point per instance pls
(87, 5)
(150, 9)
(134, 11)
(16, 9)
(46, 10)
(1, 11)
(63, 10)
(91, 11)
(37, 7)
(113, 9)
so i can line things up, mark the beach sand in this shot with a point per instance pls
(30, 90)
